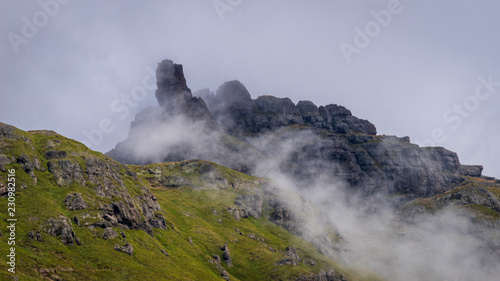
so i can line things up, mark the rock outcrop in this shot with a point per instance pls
(109, 233)
(226, 256)
(323, 275)
(173, 94)
(304, 141)
(233, 107)
(62, 228)
(292, 258)
(126, 248)
(75, 201)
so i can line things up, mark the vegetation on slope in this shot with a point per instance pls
(196, 215)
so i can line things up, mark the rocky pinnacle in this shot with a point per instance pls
(174, 96)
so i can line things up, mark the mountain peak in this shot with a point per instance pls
(173, 94)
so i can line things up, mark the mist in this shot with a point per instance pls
(88, 55)
(396, 242)
(375, 230)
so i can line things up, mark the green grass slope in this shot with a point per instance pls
(194, 199)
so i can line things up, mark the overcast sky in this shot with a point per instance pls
(425, 69)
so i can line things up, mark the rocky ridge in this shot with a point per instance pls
(325, 143)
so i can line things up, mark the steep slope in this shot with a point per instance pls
(83, 216)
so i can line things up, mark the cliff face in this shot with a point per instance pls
(304, 141)
(233, 108)
(173, 95)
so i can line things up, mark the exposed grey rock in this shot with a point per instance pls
(164, 252)
(150, 207)
(76, 220)
(66, 172)
(174, 96)
(3, 190)
(235, 212)
(311, 115)
(127, 249)
(471, 195)
(292, 258)
(55, 154)
(232, 92)
(324, 143)
(105, 173)
(322, 275)
(285, 218)
(35, 236)
(344, 123)
(226, 257)
(250, 205)
(471, 171)
(74, 201)
(27, 165)
(38, 165)
(109, 233)
(53, 143)
(216, 259)
(222, 271)
(126, 215)
(224, 274)
(8, 132)
(4, 160)
(307, 107)
(62, 227)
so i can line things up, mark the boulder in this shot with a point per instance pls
(4, 160)
(109, 233)
(74, 201)
(127, 249)
(35, 236)
(60, 226)
(55, 154)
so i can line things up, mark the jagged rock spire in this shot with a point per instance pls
(173, 94)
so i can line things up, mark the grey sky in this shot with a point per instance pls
(421, 64)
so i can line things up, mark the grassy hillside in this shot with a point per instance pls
(176, 216)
